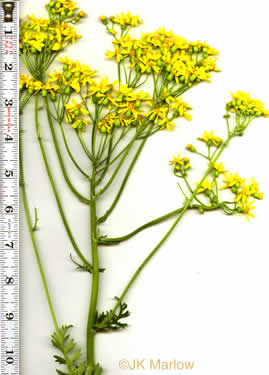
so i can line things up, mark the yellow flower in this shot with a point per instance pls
(209, 138)
(246, 191)
(205, 186)
(165, 123)
(219, 167)
(74, 110)
(179, 162)
(246, 207)
(232, 180)
(126, 19)
(181, 107)
(80, 123)
(242, 103)
(157, 113)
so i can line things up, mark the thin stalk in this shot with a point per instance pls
(113, 241)
(57, 197)
(100, 192)
(70, 185)
(83, 145)
(31, 231)
(95, 275)
(70, 153)
(157, 247)
(115, 201)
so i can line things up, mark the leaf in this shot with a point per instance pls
(59, 359)
(71, 353)
(106, 321)
(76, 356)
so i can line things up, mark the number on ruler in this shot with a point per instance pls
(8, 66)
(8, 102)
(10, 245)
(9, 210)
(9, 280)
(8, 173)
(8, 138)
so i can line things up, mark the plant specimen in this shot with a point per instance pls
(112, 122)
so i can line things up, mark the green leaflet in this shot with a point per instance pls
(71, 356)
(109, 321)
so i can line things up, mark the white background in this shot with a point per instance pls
(204, 297)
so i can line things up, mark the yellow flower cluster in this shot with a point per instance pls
(123, 19)
(206, 186)
(243, 104)
(161, 51)
(63, 9)
(210, 139)
(74, 114)
(180, 164)
(34, 86)
(73, 76)
(244, 192)
(129, 106)
(37, 35)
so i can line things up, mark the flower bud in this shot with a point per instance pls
(192, 78)
(173, 49)
(191, 148)
(137, 103)
(162, 38)
(67, 90)
(169, 68)
(77, 75)
(170, 77)
(58, 5)
(53, 97)
(103, 19)
(117, 123)
(103, 129)
(51, 4)
(234, 190)
(148, 70)
(68, 75)
(65, 67)
(201, 210)
(128, 114)
(33, 50)
(70, 13)
(30, 91)
(76, 112)
(44, 93)
(258, 195)
(105, 101)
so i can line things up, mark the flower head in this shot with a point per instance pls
(243, 104)
(210, 139)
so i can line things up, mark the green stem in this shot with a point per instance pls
(95, 275)
(100, 192)
(31, 231)
(76, 193)
(157, 247)
(113, 241)
(60, 207)
(115, 201)
(70, 153)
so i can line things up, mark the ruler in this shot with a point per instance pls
(9, 187)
